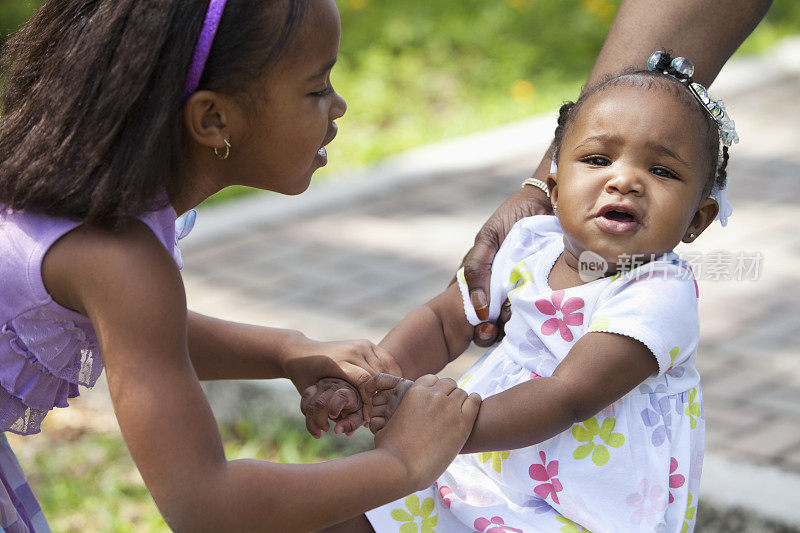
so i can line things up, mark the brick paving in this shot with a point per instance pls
(355, 270)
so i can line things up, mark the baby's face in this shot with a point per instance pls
(631, 171)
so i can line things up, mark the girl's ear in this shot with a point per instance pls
(552, 186)
(208, 118)
(703, 217)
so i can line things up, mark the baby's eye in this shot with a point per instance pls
(664, 172)
(597, 160)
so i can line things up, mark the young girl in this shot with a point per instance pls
(102, 142)
(592, 417)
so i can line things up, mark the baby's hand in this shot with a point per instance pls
(334, 399)
(385, 393)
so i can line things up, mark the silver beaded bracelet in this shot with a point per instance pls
(539, 184)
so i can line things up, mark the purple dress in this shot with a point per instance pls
(46, 350)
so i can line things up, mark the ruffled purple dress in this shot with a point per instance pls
(46, 350)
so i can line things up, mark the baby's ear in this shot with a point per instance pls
(552, 186)
(703, 217)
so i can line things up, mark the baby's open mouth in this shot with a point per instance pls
(619, 216)
(617, 221)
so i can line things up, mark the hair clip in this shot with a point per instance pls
(682, 69)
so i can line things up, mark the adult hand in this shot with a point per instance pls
(429, 428)
(527, 201)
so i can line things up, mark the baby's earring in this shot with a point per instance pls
(555, 208)
(692, 236)
(227, 153)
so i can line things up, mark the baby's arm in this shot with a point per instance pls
(598, 370)
(430, 336)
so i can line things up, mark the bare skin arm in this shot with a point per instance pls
(228, 350)
(706, 31)
(131, 290)
(599, 369)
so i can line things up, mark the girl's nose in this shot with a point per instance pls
(339, 107)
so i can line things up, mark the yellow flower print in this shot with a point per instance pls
(570, 526)
(689, 515)
(599, 324)
(496, 458)
(412, 512)
(519, 277)
(586, 433)
(694, 409)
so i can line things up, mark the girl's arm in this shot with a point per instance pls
(128, 285)
(227, 350)
(599, 369)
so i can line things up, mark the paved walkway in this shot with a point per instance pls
(356, 256)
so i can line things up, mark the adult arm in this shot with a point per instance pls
(706, 31)
(127, 284)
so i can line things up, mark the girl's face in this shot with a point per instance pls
(631, 171)
(283, 138)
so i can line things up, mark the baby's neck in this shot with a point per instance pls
(563, 275)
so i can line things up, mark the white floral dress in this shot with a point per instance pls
(635, 466)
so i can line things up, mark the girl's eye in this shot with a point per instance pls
(323, 93)
(596, 161)
(663, 172)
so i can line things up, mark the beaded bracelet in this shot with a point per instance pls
(539, 184)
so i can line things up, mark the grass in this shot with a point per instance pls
(86, 481)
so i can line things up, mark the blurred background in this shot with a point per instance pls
(414, 72)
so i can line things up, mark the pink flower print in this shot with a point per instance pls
(675, 480)
(495, 525)
(534, 375)
(649, 503)
(568, 311)
(609, 411)
(446, 493)
(546, 472)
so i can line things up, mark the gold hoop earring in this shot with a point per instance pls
(227, 153)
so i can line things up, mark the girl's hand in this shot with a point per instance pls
(334, 399)
(387, 393)
(429, 428)
(308, 361)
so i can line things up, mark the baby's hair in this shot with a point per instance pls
(718, 159)
(92, 125)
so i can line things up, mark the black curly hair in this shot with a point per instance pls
(718, 156)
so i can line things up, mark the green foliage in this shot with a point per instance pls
(86, 481)
(417, 71)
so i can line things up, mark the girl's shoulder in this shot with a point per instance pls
(47, 347)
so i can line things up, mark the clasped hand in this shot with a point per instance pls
(337, 400)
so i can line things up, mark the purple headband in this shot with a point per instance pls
(203, 47)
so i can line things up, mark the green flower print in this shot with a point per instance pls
(689, 515)
(570, 526)
(694, 409)
(413, 511)
(673, 353)
(519, 277)
(496, 457)
(599, 324)
(587, 431)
